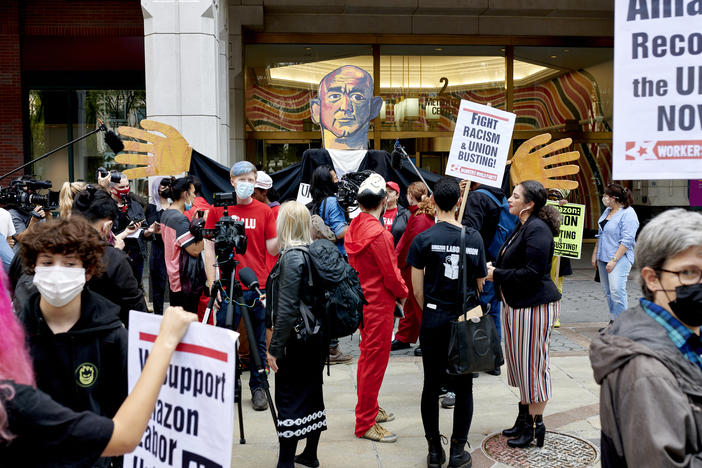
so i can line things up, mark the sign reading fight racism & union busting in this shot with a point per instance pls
(569, 242)
(657, 89)
(193, 421)
(480, 143)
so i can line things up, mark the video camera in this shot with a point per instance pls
(348, 188)
(22, 194)
(229, 234)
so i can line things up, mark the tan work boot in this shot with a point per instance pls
(384, 416)
(378, 433)
(337, 357)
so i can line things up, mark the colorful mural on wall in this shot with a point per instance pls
(570, 97)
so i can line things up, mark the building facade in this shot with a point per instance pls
(236, 77)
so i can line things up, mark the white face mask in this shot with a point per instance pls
(58, 284)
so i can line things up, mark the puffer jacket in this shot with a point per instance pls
(651, 396)
(288, 286)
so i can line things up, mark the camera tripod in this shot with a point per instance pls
(235, 293)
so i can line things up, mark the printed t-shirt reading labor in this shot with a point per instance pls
(259, 224)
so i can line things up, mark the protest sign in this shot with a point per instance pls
(480, 144)
(569, 242)
(193, 421)
(657, 89)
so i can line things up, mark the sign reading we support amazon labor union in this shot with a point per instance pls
(192, 424)
(657, 89)
(569, 242)
(480, 143)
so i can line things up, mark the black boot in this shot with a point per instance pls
(436, 456)
(533, 428)
(521, 419)
(459, 457)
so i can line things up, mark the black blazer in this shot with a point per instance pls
(522, 271)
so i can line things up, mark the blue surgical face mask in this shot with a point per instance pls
(244, 190)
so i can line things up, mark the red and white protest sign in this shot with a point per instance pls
(657, 90)
(480, 143)
(193, 421)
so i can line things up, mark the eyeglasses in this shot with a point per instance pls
(688, 276)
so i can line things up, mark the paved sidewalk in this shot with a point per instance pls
(574, 408)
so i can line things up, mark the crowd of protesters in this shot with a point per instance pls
(72, 281)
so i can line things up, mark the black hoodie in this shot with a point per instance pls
(84, 368)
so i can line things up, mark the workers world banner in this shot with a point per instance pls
(657, 89)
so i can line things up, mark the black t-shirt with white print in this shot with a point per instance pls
(437, 251)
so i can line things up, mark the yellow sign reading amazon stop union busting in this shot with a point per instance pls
(569, 242)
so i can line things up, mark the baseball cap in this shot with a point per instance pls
(263, 181)
(393, 186)
(374, 183)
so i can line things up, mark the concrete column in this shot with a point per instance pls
(185, 45)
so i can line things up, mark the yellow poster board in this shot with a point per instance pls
(569, 242)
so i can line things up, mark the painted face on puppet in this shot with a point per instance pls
(345, 101)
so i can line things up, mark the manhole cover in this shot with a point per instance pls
(562, 450)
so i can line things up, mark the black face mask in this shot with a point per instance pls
(687, 305)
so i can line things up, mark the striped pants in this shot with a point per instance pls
(527, 334)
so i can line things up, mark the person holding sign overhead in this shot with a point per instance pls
(614, 249)
(36, 431)
(531, 306)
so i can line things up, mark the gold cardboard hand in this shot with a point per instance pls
(532, 165)
(167, 155)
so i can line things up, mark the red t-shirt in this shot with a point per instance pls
(259, 224)
(389, 217)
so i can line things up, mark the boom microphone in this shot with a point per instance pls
(111, 139)
(248, 277)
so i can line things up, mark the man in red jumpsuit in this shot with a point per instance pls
(370, 250)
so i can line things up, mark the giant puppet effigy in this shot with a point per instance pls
(343, 109)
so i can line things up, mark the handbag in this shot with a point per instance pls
(473, 342)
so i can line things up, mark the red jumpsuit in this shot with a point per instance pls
(408, 328)
(370, 250)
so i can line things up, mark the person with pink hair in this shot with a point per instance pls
(35, 431)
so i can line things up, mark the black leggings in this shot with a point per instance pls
(286, 457)
(435, 359)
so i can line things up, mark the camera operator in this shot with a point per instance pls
(24, 216)
(130, 214)
(182, 249)
(261, 235)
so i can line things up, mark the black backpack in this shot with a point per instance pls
(338, 291)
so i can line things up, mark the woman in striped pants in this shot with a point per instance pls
(531, 307)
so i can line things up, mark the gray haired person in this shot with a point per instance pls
(648, 362)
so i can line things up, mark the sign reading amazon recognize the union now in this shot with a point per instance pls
(480, 144)
(192, 424)
(657, 89)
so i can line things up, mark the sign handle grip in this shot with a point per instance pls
(463, 202)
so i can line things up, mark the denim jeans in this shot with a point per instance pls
(257, 339)
(614, 285)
